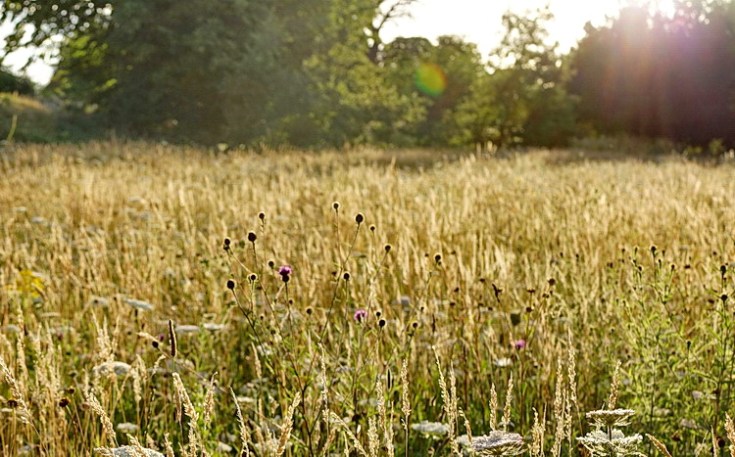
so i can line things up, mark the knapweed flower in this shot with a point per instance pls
(285, 272)
(360, 315)
(519, 344)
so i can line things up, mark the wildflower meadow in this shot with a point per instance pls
(159, 300)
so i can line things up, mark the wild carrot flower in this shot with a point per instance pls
(496, 443)
(431, 428)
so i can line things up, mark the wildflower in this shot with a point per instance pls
(98, 301)
(431, 428)
(213, 327)
(285, 270)
(497, 443)
(519, 344)
(503, 362)
(138, 304)
(360, 315)
(224, 448)
(127, 451)
(109, 368)
(126, 427)
(186, 329)
(610, 417)
(613, 442)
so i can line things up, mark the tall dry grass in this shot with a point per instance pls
(468, 290)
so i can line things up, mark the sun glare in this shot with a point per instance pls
(479, 21)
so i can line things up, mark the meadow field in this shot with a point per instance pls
(158, 299)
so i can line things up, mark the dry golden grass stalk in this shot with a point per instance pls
(334, 418)
(559, 408)
(386, 420)
(613, 398)
(538, 430)
(287, 425)
(94, 405)
(405, 395)
(493, 404)
(730, 429)
(571, 406)
(168, 447)
(449, 403)
(24, 414)
(244, 432)
(373, 438)
(659, 445)
(183, 398)
(508, 403)
(208, 408)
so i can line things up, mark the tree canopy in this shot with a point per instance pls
(318, 73)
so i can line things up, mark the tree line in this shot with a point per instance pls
(316, 73)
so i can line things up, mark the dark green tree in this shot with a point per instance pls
(657, 76)
(523, 98)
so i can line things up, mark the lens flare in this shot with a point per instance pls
(430, 79)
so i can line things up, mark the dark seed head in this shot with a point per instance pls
(335, 206)
(359, 218)
(346, 276)
(231, 284)
(252, 277)
(261, 216)
(388, 247)
(372, 228)
(227, 243)
(381, 323)
(252, 237)
(64, 402)
(438, 258)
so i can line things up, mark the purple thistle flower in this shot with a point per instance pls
(360, 315)
(519, 344)
(285, 270)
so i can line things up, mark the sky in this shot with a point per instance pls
(476, 21)
(479, 21)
